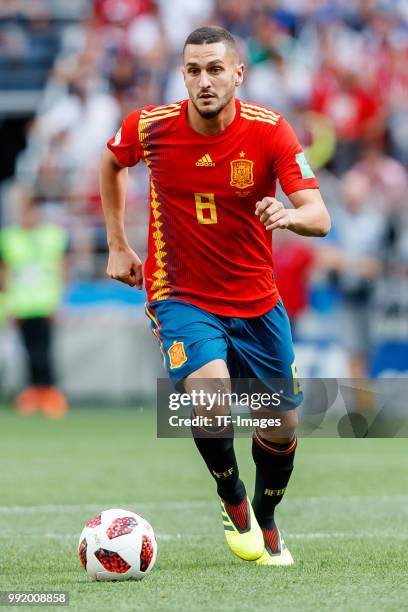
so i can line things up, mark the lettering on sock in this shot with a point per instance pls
(223, 474)
(275, 492)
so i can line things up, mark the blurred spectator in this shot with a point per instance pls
(28, 43)
(354, 109)
(236, 16)
(120, 11)
(32, 256)
(355, 261)
(180, 17)
(276, 78)
(79, 123)
(396, 88)
(387, 177)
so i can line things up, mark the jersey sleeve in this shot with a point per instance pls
(125, 145)
(289, 163)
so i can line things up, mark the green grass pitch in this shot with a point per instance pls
(345, 518)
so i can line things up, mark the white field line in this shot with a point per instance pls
(99, 507)
(373, 500)
(185, 536)
(186, 505)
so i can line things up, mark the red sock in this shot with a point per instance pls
(238, 513)
(271, 537)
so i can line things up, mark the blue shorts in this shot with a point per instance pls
(252, 347)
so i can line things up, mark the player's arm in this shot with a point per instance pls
(123, 263)
(309, 217)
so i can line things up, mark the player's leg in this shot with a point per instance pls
(216, 443)
(194, 345)
(274, 458)
(273, 452)
(216, 446)
(267, 348)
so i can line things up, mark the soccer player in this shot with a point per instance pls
(212, 300)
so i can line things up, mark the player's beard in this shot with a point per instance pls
(209, 114)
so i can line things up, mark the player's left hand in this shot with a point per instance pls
(273, 214)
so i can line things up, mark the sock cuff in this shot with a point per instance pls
(273, 447)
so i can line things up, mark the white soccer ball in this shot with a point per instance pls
(117, 545)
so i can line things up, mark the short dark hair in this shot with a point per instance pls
(210, 34)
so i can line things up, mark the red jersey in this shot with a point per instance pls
(206, 246)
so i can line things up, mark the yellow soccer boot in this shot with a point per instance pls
(275, 551)
(242, 532)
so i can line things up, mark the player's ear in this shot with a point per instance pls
(239, 76)
(183, 72)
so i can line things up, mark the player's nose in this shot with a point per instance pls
(204, 81)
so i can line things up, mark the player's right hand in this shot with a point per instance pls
(125, 266)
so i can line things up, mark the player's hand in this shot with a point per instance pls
(125, 266)
(273, 214)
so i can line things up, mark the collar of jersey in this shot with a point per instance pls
(212, 137)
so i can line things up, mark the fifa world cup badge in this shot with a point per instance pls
(242, 174)
(177, 355)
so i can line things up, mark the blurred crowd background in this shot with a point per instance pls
(69, 72)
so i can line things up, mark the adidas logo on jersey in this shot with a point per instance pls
(205, 160)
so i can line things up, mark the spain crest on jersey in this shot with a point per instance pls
(177, 355)
(242, 173)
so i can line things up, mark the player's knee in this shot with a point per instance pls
(209, 397)
(285, 431)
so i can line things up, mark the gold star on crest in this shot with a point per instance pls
(242, 154)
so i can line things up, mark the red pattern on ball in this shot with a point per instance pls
(146, 554)
(94, 522)
(111, 561)
(121, 526)
(82, 552)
